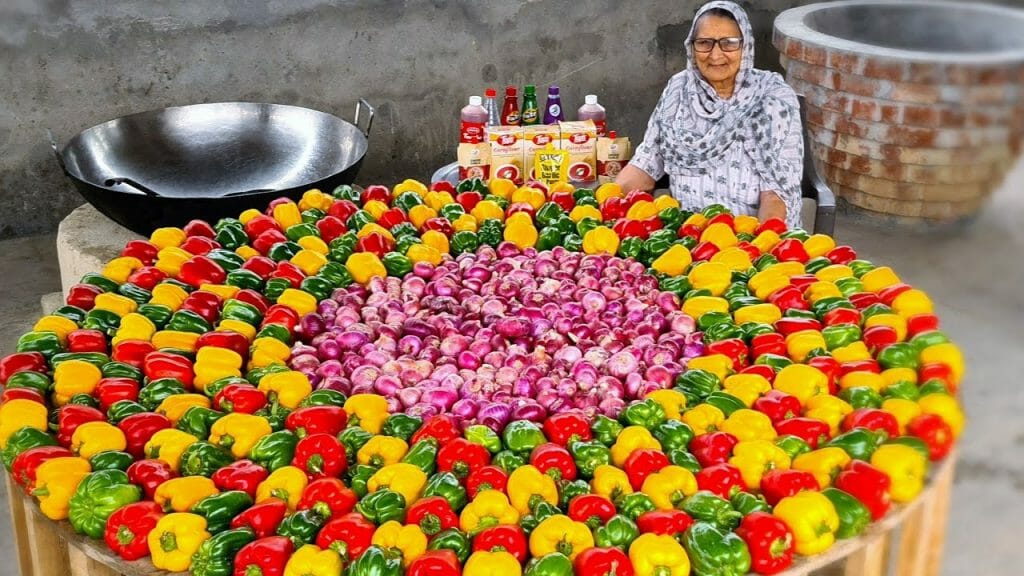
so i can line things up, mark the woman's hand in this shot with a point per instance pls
(632, 178)
(771, 207)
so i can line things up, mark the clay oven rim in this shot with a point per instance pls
(810, 24)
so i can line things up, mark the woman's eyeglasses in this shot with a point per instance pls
(726, 44)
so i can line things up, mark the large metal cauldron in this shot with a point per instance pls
(166, 167)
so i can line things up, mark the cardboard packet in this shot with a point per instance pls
(579, 139)
(508, 158)
(475, 161)
(536, 138)
(613, 154)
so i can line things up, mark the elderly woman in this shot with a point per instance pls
(723, 131)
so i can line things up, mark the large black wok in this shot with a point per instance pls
(166, 167)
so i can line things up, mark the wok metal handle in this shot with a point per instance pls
(129, 182)
(369, 117)
(56, 150)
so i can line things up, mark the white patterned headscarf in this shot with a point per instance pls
(758, 115)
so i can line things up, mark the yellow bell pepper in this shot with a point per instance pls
(168, 444)
(314, 198)
(580, 212)
(501, 187)
(601, 240)
(174, 539)
(301, 302)
(746, 425)
(526, 482)
(465, 222)
(419, 214)
(834, 272)
(829, 416)
(669, 487)
(946, 407)
(704, 418)
(499, 563)
(286, 388)
(134, 326)
(213, 363)
(314, 244)
(531, 196)
(906, 468)
(799, 344)
(169, 260)
(903, 410)
(74, 377)
(697, 219)
(766, 240)
(174, 407)
(895, 321)
(747, 387)
(409, 185)
(92, 438)
(168, 295)
(821, 290)
(239, 432)
(632, 438)
(518, 218)
(436, 240)
(879, 279)
(802, 381)
(642, 210)
(813, 520)
(310, 560)
(409, 540)
(658, 555)
(375, 208)
(559, 533)
(286, 483)
(608, 190)
(248, 215)
(824, 463)
(308, 261)
(167, 237)
(720, 234)
(745, 224)
(243, 328)
(673, 261)
(372, 228)
(181, 494)
(365, 265)
(120, 305)
(19, 413)
(819, 245)
(382, 451)
(699, 305)
(755, 458)
(287, 214)
(912, 302)
(438, 199)
(673, 402)
(490, 508)
(829, 403)
(247, 252)
(764, 283)
(718, 364)
(269, 351)
(487, 210)
(853, 352)
(712, 276)
(895, 375)
(59, 325)
(948, 354)
(175, 339)
(406, 479)
(423, 253)
(862, 378)
(611, 482)
(119, 269)
(368, 411)
(788, 269)
(56, 481)
(523, 235)
(734, 258)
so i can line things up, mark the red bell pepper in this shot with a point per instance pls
(83, 296)
(788, 326)
(21, 362)
(145, 251)
(132, 352)
(564, 200)
(443, 186)
(776, 225)
(330, 228)
(603, 562)
(938, 371)
(830, 368)
(240, 398)
(84, 340)
(721, 479)
(713, 447)
(289, 272)
(869, 365)
(614, 208)
(936, 433)
(24, 465)
(375, 192)
(225, 339)
(803, 281)
(867, 484)
(890, 293)
(128, 529)
(778, 484)
(810, 430)
(206, 304)
(634, 196)
(442, 428)
(260, 224)
(769, 540)
(266, 556)
(790, 250)
(111, 390)
(391, 218)
(753, 251)
(349, 535)
(71, 416)
(139, 428)
(523, 207)
(777, 406)
(159, 365)
(23, 394)
(263, 518)
(734, 348)
(244, 475)
(630, 229)
(920, 323)
(432, 515)
(555, 461)
(506, 537)
(260, 266)
(149, 475)
(864, 299)
(317, 420)
(468, 200)
(342, 209)
(790, 298)
(320, 456)
(443, 226)
(199, 270)
(567, 427)
(591, 509)
(838, 316)
(761, 370)
(283, 315)
(873, 419)
(689, 230)
(253, 298)
(199, 228)
(486, 478)
(703, 251)
(199, 245)
(668, 522)
(879, 337)
(841, 255)
(442, 562)
(375, 243)
(328, 494)
(147, 277)
(462, 457)
(643, 462)
(723, 218)
(277, 202)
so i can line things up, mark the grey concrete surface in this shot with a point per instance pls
(973, 274)
(71, 65)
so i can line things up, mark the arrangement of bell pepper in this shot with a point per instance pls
(825, 391)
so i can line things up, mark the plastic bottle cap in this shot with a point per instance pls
(612, 135)
(530, 89)
(474, 101)
(490, 93)
(510, 91)
(590, 99)
(553, 90)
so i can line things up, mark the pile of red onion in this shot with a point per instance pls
(501, 335)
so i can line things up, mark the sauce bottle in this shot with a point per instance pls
(553, 111)
(474, 119)
(591, 110)
(531, 113)
(510, 111)
(491, 105)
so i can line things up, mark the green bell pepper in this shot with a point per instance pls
(283, 251)
(152, 394)
(278, 331)
(859, 443)
(97, 497)
(746, 503)
(346, 192)
(73, 313)
(678, 285)
(97, 359)
(121, 370)
(46, 343)
(631, 247)
(849, 286)
(549, 238)
(451, 211)
(226, 259)
(861, 397)
(586, 225)
(382, 506)
(359, 219)
(353, 438)
(23, 439)
(508, 460)
(358, 476)
(736, 290)
(854, 516)
(705, 506)
(797, 233)
(139, 295)
(673, 435)
(573, 243)
(925, 339)
(713, 550)
(697, 385)
(874, 310)
(241, 311)
(764, 261)
(100, 281)
(553, 564)
(619, 531)
(375, 561)
(588, 201)
(902, 389)
(83, 399)
(189, 321)
(725, 402)
(401, 426)
(645, 413)
(122, 409)
(406, 201)
(684, 459)
(912, 442)
(324, 397)
(464, 242)
(403, 244)
(860, 267)
(111, 460)
(423, 455)
(813, 265)
(396, 264)
(452, 539)
(522, 436)
(548, 214)
(197, 421)
(230, 234)
(581, 193)
(932, 386)
(216, 555)
(899, 355)
(774, 360)
(275, 415)
(588, 456)
(220, 509)
(569, 490)
(447, 486)
(671, 218)
(336, 274)
(712, 210)
(722, 331)
(634, 505)
(401, 230)
(312, 216)
(33, 380)
(158, 314)
(793, 446)
(709, 319)
(244, 279)
(539, 512)
(203, 459)
(274, 450)
(302, 527)
(752, 329)
(491, 232)
(318, 286)
(565, 225)
(484, 436)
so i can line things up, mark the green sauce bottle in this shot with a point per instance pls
(531, 111)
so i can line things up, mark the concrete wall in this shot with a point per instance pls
(68, 65)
